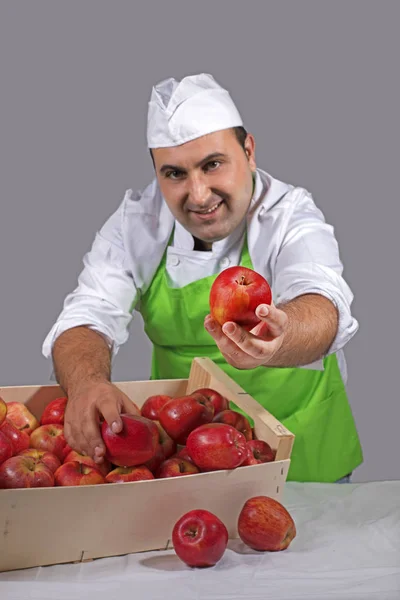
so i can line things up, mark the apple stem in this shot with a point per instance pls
(242, 281)
(191, 533)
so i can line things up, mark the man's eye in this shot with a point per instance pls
(214, 164)
(173, 174)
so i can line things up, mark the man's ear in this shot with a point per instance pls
(250, 149)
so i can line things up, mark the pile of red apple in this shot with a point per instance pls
(169, 437)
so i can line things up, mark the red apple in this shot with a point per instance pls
(67, 449)
(154, 463)
(76, 473)
(265, 524)
(175, 467)
(183, 453)
(235, 295)
(25, 472)
(218, 401)
(47, 458)
(167, 444)
(54, 412)
(258, 452)
(136, 444)
(19, 439)
(3, 410)
(165, 449)
(236, 420)
(182, 415)
(104, 467)
(125, 474)
(21, 417)
(199, 538)
(152, 406)
(217, 446)
(6, 448)
(49, 437)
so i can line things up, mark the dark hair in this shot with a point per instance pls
(240, 133)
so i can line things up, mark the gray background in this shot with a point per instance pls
(316, 82)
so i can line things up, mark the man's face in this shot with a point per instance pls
(207, 183)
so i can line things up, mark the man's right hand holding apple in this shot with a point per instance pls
(83, 361)
(86, 407)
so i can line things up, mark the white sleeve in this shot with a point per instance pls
(308, 262)
(106, 293)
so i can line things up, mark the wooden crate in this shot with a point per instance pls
(43, 526)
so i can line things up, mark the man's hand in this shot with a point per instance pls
(249, 349)
(85, 408)
(297, 333)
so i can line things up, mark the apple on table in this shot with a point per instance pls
(264, 524)
(199, 538)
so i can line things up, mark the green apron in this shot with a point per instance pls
(311, 404)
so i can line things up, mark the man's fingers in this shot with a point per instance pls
(91, 428)
(91, 431)
(225, 345)
(215, 330)
(108, 407)
(247, 342)
(275, 318)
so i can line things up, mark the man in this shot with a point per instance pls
(210, 207)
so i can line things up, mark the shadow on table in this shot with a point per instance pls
(170, 562)
(163, 562)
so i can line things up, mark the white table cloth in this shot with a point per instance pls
(347, 547)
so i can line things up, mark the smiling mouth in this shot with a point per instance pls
(210, 210)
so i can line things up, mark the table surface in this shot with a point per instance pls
(347, 547)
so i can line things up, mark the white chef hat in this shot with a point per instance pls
(183, 111)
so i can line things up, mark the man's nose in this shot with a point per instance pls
(198, 191)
